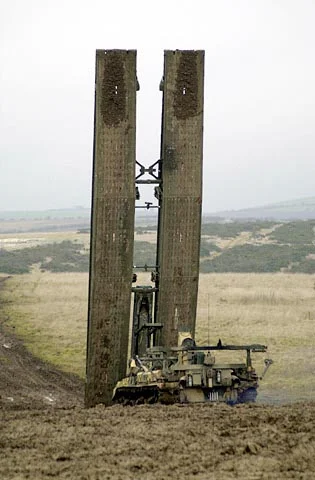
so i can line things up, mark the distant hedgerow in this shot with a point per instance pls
(65, 256)
(259, 258)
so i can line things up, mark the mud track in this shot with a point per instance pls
(28, 383)
(45, 432)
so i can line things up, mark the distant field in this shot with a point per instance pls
(18, 241)
(43, 221)
(63, 213)
(239, 247)
(50, 310)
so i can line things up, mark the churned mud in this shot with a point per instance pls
(46, 432)
(159, 442)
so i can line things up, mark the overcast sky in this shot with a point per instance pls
(259, 94)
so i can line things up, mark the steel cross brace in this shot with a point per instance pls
(151, 171)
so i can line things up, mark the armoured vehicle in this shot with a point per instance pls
(187, 373)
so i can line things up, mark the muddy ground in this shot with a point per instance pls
(46, 433)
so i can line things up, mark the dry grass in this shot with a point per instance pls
(277, 310)
(50, 312)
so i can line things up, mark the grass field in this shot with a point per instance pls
(17, 241)
(50, 310)
(277, 310)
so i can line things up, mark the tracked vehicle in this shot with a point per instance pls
(187, 373)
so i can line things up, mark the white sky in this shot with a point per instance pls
(259, 94)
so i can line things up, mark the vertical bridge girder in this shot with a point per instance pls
(112, 224)
(180, 206)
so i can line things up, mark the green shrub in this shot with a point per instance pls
(144, 253)
(295, 233)
(55, 257)
(305, 266)
(206, 248)
(257, 258)
(226, 230)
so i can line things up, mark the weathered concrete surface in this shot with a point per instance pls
(180, 212)
(112, 222)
